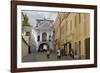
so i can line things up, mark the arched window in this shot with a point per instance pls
(49, 37)
(44, 36)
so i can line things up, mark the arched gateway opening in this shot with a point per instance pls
(43, 47)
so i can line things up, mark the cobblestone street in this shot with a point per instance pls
(41, 56)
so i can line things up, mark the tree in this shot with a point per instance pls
(25, 20)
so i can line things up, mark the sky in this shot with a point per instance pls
(33, 15)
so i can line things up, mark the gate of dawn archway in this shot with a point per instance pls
(43, 47)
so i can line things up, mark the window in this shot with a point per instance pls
(66, 25)
(75, 21)
(27, 33)
(79, 18)
(71, 25)
(38, 38)
(49, 37)
(44, 36)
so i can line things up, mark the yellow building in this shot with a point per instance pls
(72, 31)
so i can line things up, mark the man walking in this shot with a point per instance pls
(48, 53)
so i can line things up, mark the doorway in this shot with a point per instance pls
(87, 47)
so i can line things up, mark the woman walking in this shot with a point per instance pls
(58, 54)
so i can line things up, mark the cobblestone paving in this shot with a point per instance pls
(41, 56)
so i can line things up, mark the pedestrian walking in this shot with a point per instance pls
(48, 53)
(58, 54)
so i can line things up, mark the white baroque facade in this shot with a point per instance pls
(42, 36)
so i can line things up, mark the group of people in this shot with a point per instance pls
(58, 53)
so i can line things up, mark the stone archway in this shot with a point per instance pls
(43, 47)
